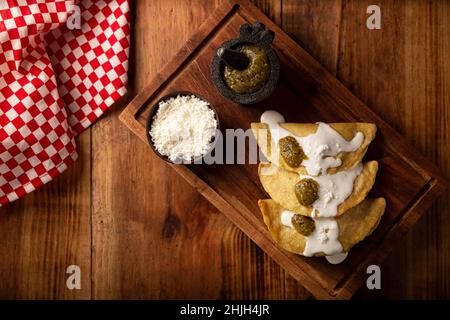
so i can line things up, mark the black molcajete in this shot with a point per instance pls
(256, 35)
(233, 58)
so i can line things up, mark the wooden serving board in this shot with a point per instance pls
(306, 93)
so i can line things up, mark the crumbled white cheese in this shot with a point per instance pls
(323, 234)
(183, 128)
(321, 149)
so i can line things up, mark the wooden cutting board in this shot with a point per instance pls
(306, 93)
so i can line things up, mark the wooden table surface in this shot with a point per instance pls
(138, 231)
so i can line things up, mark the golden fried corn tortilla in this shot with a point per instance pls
(358, 223)
(346, 130)
(280, 185)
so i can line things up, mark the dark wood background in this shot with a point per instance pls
(138, 231)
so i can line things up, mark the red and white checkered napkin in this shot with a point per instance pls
(54, 82)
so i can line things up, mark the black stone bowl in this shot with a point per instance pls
(151, 117)
(257, 35)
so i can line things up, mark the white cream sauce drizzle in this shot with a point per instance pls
(337, 258)
(325, 237)
(321, 147)
(333, 190)
(286, 218)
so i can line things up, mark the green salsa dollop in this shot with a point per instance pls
(251, 78)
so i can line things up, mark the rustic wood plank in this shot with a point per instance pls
(45, 232)
(139, 203)
(402, 72)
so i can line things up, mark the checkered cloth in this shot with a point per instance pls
(62, 64)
